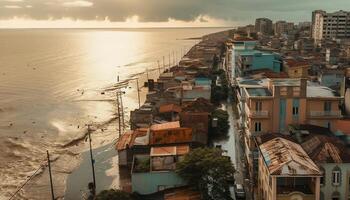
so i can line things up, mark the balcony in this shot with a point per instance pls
(325, 114)
(261, 113)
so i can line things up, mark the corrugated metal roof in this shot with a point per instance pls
(326, 149)
(164, 126)
(169, 108)
(124, 141)
(170, 150)
(284, 157)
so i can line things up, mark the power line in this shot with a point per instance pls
(25, 183)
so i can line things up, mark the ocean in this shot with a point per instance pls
(53, 82)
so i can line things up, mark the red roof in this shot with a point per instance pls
(165, 126)
(169, 108)
(296, 63)
(124, 140)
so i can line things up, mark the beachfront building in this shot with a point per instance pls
(333, 159)
(155, 171)
(271, 105)
(286, 172)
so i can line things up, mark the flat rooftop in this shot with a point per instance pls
(286, 82)
(252, 52)
(314, 90)
(259, 92)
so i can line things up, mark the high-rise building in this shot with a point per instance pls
(264, 26)
(283, 27)
(330, 25)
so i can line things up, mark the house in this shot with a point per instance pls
(287, 172)
(170, 111)
(155, 172)
(296, 69)
(272, 105)
(333, 159)
(249, 60)
(130, 143)
(332, 78)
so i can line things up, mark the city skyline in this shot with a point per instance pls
(131, 14)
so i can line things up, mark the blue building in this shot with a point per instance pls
(155, 172)
(250, 60)
(245, 59)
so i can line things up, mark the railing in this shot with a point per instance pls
(325, 113)
(261, 113)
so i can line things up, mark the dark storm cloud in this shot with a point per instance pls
(162, 10)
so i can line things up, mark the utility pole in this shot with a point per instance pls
(92, 163)
(169, 61)
(147, 73)
(158, 66)
(174, 58)
(51, 185)
(122, 109)
(119, 120)
(138, 91)
(163, 63)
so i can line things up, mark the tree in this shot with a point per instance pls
(209, 171)
(223, 124)
(113, 194)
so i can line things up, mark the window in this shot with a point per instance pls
(295, 107)
(295, 110)
(258, 106)
(327, 106)
(322, 178)
(336, 177)
(257, 126)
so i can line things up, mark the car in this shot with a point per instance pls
(239, 191)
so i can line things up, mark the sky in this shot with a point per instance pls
(156, 13)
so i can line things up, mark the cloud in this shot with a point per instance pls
(78, 4)
(242, 11)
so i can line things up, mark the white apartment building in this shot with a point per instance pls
(330, 25)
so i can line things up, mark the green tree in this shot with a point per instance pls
(209, 171)
(223, 124)
(113, 194)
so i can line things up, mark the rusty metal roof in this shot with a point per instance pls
(164, 126)
(124, 141)
(326, 149)
(170, 150)
(169, 108)
(286, 158)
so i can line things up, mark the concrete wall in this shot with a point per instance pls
(148, 183)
